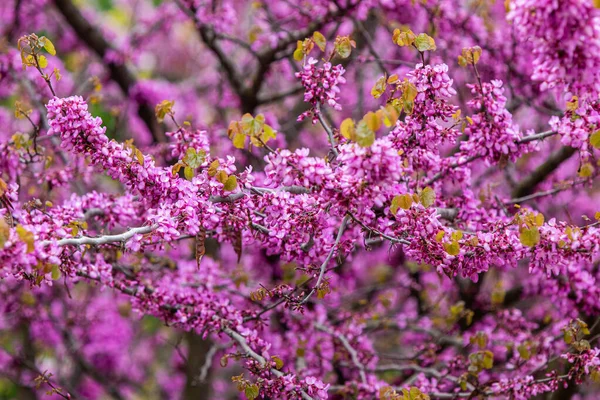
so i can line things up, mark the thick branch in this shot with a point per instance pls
(119, 73)
(96, 241)
(353, 353)
(252, 354)
(324, 265)
(527, 186)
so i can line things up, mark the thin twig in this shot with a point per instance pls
(324, 265)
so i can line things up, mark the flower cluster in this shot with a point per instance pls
(492, 133)
(320, 86)
(577, 125)
(421, 135)
(415, 244)
(565, 40)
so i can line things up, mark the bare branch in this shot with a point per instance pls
(328, 258)
(353, 353)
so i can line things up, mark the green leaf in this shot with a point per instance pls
(194, 159)
(452, 248)
(403, 37)
(364, 135)
(239, 140)
(278, 362)
(48, 45)
(268, 133)
(488, 359)
(530, 237)
(298, 53)
(595, 139)
(26, 237)
(4, 231)
(230, 184)
(409, 94)
(343, 46)
(524, 352)
(427, 197)
(586, 170)
(424, 42)
(372, 120)
(403, 201)
(188, 173)
(252, 126)
(569, 337)
(164, 108)
(251, 391)
(320, 40)
(42, 61)
(348, 129)
(379, 87)
(55, 272)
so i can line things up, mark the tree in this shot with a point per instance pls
(303, 200)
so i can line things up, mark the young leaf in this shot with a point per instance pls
(298, 53)
(427, 197)
(188, 173)
(55, 273)
(364, 135)
(47, 44)
(194, 159)
(379, 87)
(595, 139)
(452, 248)
(278, 362)
(440, 236)
(319, 40)
(222, 176)
(348, 129)
(239, 140)
(343, 46)
(4, 232)
(163, 108)
(403, 201)
(268, 133)
(403, 37)
(424, 42)
(230, 184)
(586, 170)
(530, 237)
(372, 121)
(42, 61)
(26, 237)
(212, 168)
(251, 391)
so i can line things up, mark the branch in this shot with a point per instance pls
(353, 353)
(96, 241)
(430, 371)
(327, 129)
(527, 139)
(527, 186)
(537, 136)
(376, 232)
(535, 196)
(119, 73)
(252, 354)
(324, 265)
